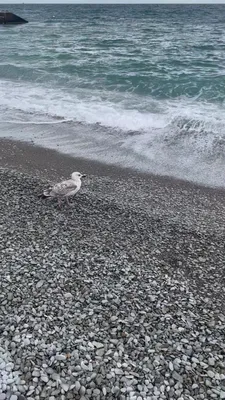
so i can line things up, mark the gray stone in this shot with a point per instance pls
(60, 357)
(40, 284)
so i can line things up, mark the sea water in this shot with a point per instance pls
(141, 86)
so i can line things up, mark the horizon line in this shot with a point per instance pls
(210, 2)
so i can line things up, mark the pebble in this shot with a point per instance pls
(82, 390)
(40, 284)
(77, 386)
(36, 373)
(100, 352)
(210, 374)
(65, 386)
(68, 295)
(60, 357)
(98, 345)
(44, 378)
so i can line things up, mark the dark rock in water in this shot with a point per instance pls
(7, 17)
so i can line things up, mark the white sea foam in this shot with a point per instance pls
(180, 137)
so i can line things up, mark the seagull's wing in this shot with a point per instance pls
(63, 188)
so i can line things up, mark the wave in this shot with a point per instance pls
(120, 111)
(182, 137)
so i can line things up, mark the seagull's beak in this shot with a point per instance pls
(83, 176)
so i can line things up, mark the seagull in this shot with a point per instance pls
(65, 188)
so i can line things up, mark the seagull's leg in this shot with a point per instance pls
(59, 202)
(67, 200)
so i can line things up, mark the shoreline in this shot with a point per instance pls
(29, 157)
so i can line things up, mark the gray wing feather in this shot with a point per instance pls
(63, 188)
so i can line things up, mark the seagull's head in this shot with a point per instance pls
(77, 175)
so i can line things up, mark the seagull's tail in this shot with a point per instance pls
(46, 194)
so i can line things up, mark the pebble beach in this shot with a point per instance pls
(120, 296)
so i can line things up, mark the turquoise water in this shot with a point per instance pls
(136, 85)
